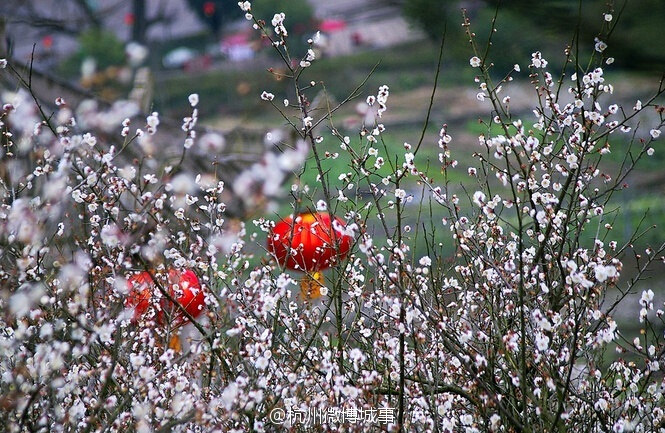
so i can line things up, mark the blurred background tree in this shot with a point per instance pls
(72, 17)
(547, 24)
(216, 13)
(140, 21)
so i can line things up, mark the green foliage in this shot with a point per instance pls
(553, 23)
(298, 13)
(103, 46)
(636, 42)
(99, 44)
(431, 15)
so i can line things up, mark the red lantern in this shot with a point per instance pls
(311, 243)
(140, 293)
(183, 287)
(187, 293)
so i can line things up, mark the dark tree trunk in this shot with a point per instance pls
(140, 21)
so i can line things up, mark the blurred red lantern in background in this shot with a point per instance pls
(209, 8)
(129, 19)
(47, 42)
(310, 243)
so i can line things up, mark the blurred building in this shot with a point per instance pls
(351, 24)
(47, 30)
(50, 27)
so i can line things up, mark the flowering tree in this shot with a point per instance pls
(453, 309)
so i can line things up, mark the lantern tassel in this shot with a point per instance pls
(310, 286)
(174, 343)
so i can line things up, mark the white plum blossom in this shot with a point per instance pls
(537, 60)
(267, 96)
(542, 341)
(602, 272)
(600, 46)
(647, 298)
(479, 198)
(25, 299)
(307, 61)
(278, 24)
(152, 122)
(212, 143)
(572, 160)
